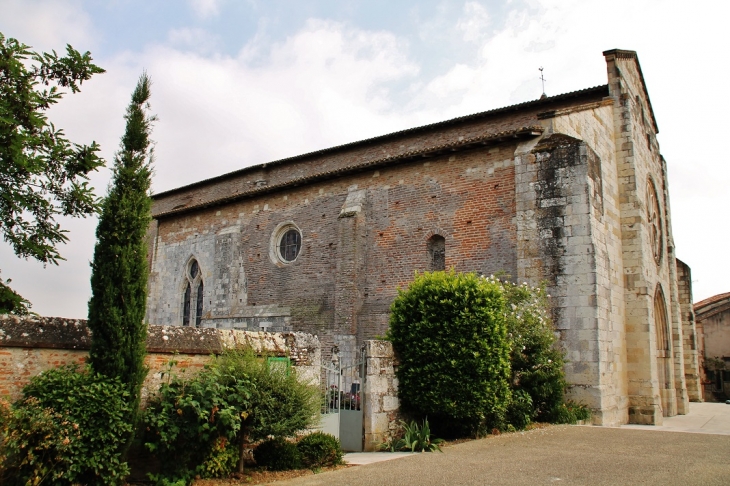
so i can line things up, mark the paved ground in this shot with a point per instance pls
(568, 455)
(703, 418)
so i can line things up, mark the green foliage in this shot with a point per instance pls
(220, 461)
(42, 174)
(281, 405)
(277, 454)
(12, 302)
(520, 410)
(536, 362)
(189, 420)
(414, 438)
(237, 399)
(119, 270)
(449, 332)
(319, 450)
(67, 429)
(570, 413)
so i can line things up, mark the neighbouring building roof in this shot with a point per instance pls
(712, 305)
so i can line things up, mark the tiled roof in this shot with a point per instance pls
(701, 305)
(529, 131)
(381, 138)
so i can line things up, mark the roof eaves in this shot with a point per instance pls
(487, 139)
(380, 138)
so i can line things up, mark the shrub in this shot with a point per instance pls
(188, 420)
(68, 428)
(449, 332)
(520, 410)
(319, 450)
(281, 404)
(536, 362)
(277, 454)
(237, 399)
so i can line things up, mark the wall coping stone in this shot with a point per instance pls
(74, 334)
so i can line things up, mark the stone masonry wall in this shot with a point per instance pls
(563, 241)
(30, 345)
(689, 335)
(639, 164)
(380, 397)
(594, 126)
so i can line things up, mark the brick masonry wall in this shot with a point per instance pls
(363, 236)
(29, 346)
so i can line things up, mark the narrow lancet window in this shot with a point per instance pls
(186, 306)
(437, 253)
(193, 297)
(199, 305)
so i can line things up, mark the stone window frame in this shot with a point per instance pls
(654, 221)
(663, 337)
(274, 245)
(193, 301)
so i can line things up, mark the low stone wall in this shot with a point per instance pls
(31, 345)
(380, 402)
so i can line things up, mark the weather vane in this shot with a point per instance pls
(542, 78)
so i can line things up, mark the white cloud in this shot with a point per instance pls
(193, 39)
(206, 8)
(332, 83)
(474, 23)
(48, 24)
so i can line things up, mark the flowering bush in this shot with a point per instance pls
(536, 361)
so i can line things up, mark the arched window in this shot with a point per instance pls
(663, 351)
(193, 299)
(437, 252)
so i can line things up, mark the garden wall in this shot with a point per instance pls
(31, 345)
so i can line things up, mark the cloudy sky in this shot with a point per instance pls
(240, 82)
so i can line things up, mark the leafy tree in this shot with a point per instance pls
(119, 269)
(449, 332)
(42, 174)
(12, 302)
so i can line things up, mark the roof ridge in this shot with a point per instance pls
(495, 111)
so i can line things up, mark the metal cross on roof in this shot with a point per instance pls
(542, 78)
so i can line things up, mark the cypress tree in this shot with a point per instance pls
(119, 270)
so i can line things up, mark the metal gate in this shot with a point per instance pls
(342, 388)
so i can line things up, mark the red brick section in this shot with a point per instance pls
(469, 200)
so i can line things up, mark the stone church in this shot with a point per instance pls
(568, 189)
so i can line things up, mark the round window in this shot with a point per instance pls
(290, 244)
